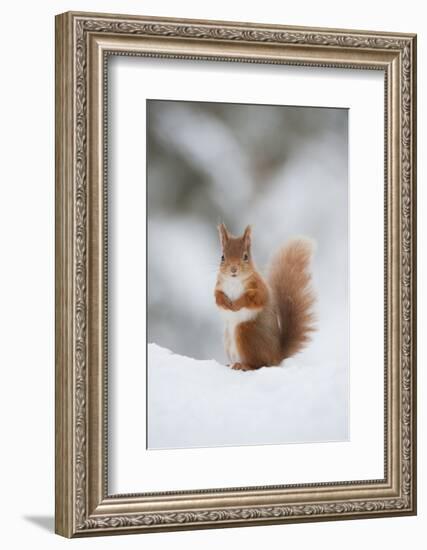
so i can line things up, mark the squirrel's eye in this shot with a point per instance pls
(222, 258)
(245, 257)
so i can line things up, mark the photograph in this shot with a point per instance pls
(247, 274)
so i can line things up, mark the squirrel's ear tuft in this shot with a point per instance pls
(223, 234)
(247, 234)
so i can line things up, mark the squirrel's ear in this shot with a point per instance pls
(223, 234)
(247, 236)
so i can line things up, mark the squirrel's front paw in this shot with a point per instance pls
(223, 300)
(228, 303)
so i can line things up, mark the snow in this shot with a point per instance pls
(202, 403)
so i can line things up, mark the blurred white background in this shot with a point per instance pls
(284, 170)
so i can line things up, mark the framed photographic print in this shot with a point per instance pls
(235, 274)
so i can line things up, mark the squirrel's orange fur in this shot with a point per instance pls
(266, 321)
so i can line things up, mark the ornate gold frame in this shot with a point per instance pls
(83, 42)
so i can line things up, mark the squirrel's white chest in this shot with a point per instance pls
(234, 288)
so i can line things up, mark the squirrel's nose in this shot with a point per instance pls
(233, 269)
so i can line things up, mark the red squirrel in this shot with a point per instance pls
(266, 321)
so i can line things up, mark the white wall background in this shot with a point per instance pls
(27, 268)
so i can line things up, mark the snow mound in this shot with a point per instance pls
(201, 403)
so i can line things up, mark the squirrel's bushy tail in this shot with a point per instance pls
(290, 280)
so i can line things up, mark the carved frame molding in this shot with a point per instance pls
(83, 44)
